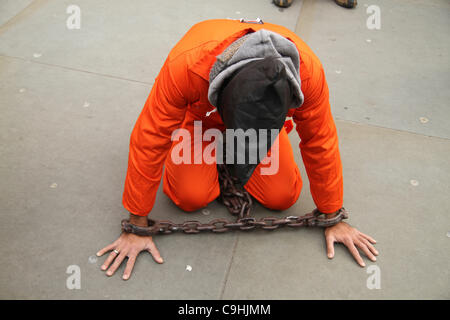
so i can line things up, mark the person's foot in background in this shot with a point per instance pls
(343, 3)
(347, 3)
(282, 3)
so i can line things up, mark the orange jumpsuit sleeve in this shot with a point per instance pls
(150, 141)
(319, 143)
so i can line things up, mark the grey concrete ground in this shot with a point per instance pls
(69, 99)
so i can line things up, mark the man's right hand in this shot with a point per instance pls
(128, 245)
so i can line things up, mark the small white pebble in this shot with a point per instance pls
(448, 234)
(37, 55)
(22, 90)
(206, 212)
(92, 259)
(86, 104)
(238, 12)
(338, 71)
(368, 40)
(423, 119)
(414, 183)
(188, 268)
(53, 185)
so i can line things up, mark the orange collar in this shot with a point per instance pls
(203, 66)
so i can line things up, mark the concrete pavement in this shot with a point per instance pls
(69, 99)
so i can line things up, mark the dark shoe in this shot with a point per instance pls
(347, 3)
(282, 3)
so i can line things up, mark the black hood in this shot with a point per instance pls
(257, 96)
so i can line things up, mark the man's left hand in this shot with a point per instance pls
(352, 239)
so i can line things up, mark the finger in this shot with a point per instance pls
(372, 240)
(330, 247)
(129, 267)
(108, 260)
(351, 247)
(116, 264)
(366, 250)
(106, 249)
(155, 253)
(369, 245)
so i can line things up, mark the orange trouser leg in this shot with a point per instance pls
(190, 186)
(193, 186)
(282, 189)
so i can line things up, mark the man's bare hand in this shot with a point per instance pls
(352, 239)
(128, 245)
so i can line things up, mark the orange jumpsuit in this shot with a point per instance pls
(180, 95)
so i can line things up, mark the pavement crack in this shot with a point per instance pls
(337, 119)
(227, 273)
(77, 70)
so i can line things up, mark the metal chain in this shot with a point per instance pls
(239, 203)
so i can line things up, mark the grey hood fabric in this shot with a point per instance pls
(256, 46)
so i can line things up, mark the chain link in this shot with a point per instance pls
(239, 203)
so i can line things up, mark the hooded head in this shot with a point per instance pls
(258, 96)
(253, 88)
